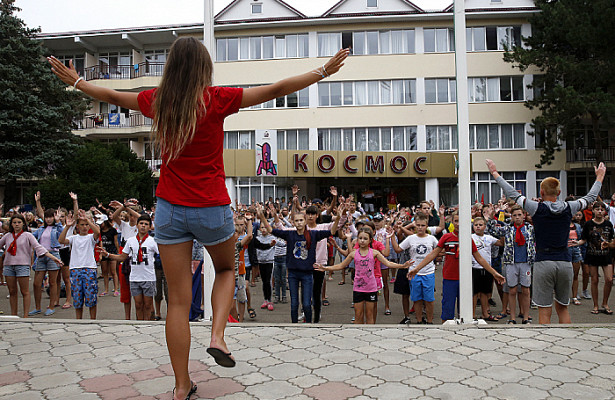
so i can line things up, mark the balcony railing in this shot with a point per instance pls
(124, 71)
(580, 154)
(154, 165)
(113, 120)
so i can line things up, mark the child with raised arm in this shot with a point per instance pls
(553, 267)
(365, 287)
(141, 250)
(83, 279)
(449, 243)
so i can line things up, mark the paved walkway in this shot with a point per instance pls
(43, 359)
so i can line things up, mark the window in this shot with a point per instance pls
(398, 138)
(367, 92)
(372, 3)
(484, 187)
(439, 40)
(442, 90)
(505, 88)
(257, 8)
(541, 176)
(78, 62)
(483, 38)
(383, 42)
(292, 100)
(293, 139)
(239, 140)
(262, 47)
(115, 65)
(329, 43)
(261, 189)
(441, 137)
(505, 136)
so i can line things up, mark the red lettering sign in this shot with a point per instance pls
(300, 162)
(417, 165)
(376, 165)
(321, 163)
(347, 166)
(403, 164)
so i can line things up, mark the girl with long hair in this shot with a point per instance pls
(193, 202)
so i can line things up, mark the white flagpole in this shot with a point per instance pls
(463, 130)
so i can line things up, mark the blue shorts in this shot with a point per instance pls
(45, 263)
(18, 271)
(175, 224)
(84, 287)
(575, 254)
(422, 287)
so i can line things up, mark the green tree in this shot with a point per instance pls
(572, 45)
(36, 110)
(98, 171)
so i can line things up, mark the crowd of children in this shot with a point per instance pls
(291, 246)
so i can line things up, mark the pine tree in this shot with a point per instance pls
(36, 110)
(572, 45)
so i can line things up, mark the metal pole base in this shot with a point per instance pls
(462, 322)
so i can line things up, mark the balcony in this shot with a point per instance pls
(113, 120)
(124, 71)
(153, 165)
(587, 154)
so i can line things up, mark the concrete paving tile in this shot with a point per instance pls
(145, 375)
(237, 396)
(492, 358)
(464, 350)
(521, 332)
(395, 373)
(325, 349)
(154, 386)
(599, 382)
(540, 383)
(53, 380)
(560, 374)
(35, 348)
(133, 366)
(7, 368)
(604, 371)
(241, 368)
(366, 364)
(23, 395)
(513, 351)
(421, 382)
(481, 383)
(349, 344)
(415, 349)
(315, 363)
(592, 356)
(119, 393)
(565, 351)
(390, 357)
(393, 344)
(299, 397)
(482, 344)
(98, 384)
(10, 389)
(512, 391)
(344, 356)
(265, 362)
(455, 391)
(577, 344)
(530, 344)
(295, 355)
(285, 371)
(438, 344)
(62, 392)
(576, 391)
(442, 357)
(338, 372)
(393, 391)
(252, 379)
(364, 381)
(278, 348)
(369, 349)
(504, 374)
(218, 387)
(577, 364)
(418, 364)
(250, 354)
(471, 365)
(9, 378)
(524, 365)
(94, 373)
(605, 349)
(361, 397)
(307, 381)
(605, 332)
(448, 373)
(273, 390)
(55, 369)
(332, 391)
(543, 357)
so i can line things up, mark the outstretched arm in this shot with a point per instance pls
(335, 267)
(261, 94)
(69, 76)
(430, 257)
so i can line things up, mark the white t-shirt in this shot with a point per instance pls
(82, 251)
(144, 271)
(483, 244)
(420, 247)
(127, 231)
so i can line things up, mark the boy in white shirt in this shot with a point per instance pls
(141, 250)
(83, 278)
(482, 281)
(423, 285)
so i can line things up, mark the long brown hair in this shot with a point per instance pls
(179, 101)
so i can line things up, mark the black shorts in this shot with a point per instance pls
(358, 297)
(401, 285)
(598, 261)
(482, 281)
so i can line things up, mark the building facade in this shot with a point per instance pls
(388, 116)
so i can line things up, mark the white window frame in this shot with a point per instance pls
(253, 5)
(452, 138)
(408, 91)
(409, 138)
(450, 40)
(514, 128)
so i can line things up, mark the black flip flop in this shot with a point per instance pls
(223, 359)
(190, 393)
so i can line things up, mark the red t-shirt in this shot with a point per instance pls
(450, 243)
(196, 177)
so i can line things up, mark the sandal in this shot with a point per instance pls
(501, 316)
(606, 311)
(594, 311)
(576, 301)
(325, 302)
(341, 283)
(387, 312)
(492, 318)
(190, 393)
(251, 313)
(222, 359)
(103, 294)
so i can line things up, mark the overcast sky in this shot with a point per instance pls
(78, 15)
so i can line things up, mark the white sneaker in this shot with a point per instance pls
(586, 295)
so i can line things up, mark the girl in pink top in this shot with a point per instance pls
(365, 290)
(18, 246)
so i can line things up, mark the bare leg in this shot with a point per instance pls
(385, 288)
(11, 282)
(37, 286)
(176, 262)
(127, 311)
(575, 279)
(54, 291)
(241, 311)
(148, 306)
(484, 304)
(405, 304)
(418, 310)
(585, 276)
(79, 313)
(92, 312)
(562, 313)
(544, 314)
(113, 270)
(104, 266)
(65, 272)
(24, 287)
(524, 302)
(429, 311)
(139, 307)
(608, 284)
(512, 302)
(371, 309)
(593, 271)
(359, 313)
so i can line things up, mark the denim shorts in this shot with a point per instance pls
(18, 271)
(575, 254)
(175, 224)
(45, 263)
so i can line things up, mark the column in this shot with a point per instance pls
(432, 190)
